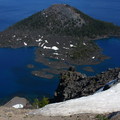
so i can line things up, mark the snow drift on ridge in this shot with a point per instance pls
(103, 102)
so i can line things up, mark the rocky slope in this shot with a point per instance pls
(64, 20)
(74, 84)
(22, 114)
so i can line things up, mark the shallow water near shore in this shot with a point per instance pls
(16, 78)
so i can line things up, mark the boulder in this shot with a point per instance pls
(17, 102)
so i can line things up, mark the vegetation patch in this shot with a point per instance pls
(40, 103)
(101, 117)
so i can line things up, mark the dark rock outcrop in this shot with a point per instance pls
(74, 84)
(114, 116)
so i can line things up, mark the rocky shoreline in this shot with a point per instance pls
(60, 61)
(55, 59)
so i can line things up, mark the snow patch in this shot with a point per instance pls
(55, 53)
(84, 43)
(45, 47)
(58, 43)
(71, 45)
(39, 43)
(46, 41)
(17, 106)
(55, 48)
(99, 103)
(18, 39)
(66, 48)
(42, 44)
(14, 36)
(39, 40)
(25, 43)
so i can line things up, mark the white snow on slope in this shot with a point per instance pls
(84, 43)
(65, 48)
(42, 44)
(93, 57)
(55, 48)
(103, 102)
(45, 47)
(55, 54)
(39, 43)
(39, 40)
(46, 41)
(14, 36)
(18, 106)
(25, 43)
(18, 39)
(71, 45)
(58, 43)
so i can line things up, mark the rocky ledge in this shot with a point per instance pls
(74, 84)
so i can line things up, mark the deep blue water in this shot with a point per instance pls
(15, 77)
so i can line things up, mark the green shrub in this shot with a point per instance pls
(44, 102)
(36, 103)
(40, 103)
(101, 117)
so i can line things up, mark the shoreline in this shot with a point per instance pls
(57, 65)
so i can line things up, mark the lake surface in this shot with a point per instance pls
(16, 78)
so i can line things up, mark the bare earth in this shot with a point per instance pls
(22, 114)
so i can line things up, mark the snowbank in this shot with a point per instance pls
(18, 106)
(25, 43)
(103, 102)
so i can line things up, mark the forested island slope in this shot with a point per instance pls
(60, 32)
